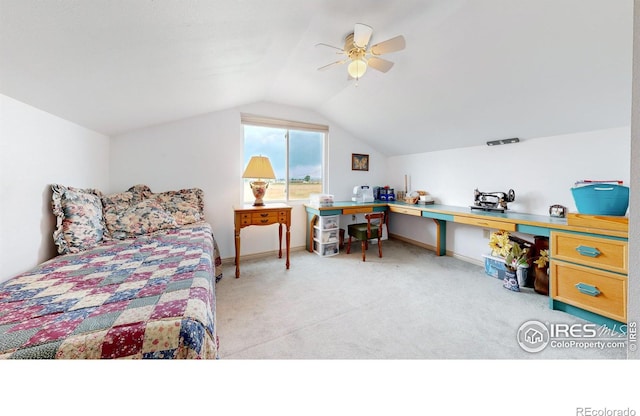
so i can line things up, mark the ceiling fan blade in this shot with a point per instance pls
(388, 46)
(322, 68)
(330, 46)
(362, 35)
(380, 64)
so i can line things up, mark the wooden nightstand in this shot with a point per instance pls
(268, 214)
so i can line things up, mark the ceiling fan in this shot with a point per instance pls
(360, 56)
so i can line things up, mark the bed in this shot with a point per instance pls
(126, 286)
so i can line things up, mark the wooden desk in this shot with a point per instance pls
(247, 215)
(609, 235)
(338, 208)
(511, 221)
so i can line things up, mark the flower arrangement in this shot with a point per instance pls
(543, 259)
(517, 257)
(501, 245)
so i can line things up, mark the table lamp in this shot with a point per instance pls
(259, 168)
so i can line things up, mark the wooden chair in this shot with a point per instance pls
(366, 231)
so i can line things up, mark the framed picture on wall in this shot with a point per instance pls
(359, 161)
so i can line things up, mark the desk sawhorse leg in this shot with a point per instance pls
(441, 237)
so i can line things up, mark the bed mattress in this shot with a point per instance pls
(148, 297)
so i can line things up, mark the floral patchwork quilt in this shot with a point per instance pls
(147, 297)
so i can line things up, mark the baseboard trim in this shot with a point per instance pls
(232, 260)
(468, 259)
(413, 242)
(262, 254)
(433, 248)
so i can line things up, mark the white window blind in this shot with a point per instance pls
(278, 123)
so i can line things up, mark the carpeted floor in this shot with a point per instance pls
(410, 304)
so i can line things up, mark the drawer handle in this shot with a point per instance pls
(264, 214)
(588, 289)
(588, 251)
(264, 221)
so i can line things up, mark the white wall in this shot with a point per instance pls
(206, 152)
(38, 149)
(541, 172)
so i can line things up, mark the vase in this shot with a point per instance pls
(521, 274)
(541, 282)
(510, 280)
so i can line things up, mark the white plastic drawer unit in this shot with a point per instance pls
(328, 249)
(326, 235)
(329, 222)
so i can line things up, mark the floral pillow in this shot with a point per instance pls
(116, 204)
(145, 217)
(186, 205)
(80, 223)
(141, 191)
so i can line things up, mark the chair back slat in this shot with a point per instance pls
(378, 221)
(375, 222)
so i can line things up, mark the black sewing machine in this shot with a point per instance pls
(492, 201)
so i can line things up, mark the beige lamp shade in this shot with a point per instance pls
(259, 167)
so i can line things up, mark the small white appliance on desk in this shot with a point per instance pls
(362, 193)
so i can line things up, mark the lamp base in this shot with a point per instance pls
(259, 189)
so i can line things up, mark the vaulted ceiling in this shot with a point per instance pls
(472, 70)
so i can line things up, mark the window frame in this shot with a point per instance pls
(288, 125)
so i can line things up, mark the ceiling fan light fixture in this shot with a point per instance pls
(357, 68)
(359, 55)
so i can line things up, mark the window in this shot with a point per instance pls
(297, 154)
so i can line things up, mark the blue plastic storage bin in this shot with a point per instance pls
(601, 199)
(494, 266)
